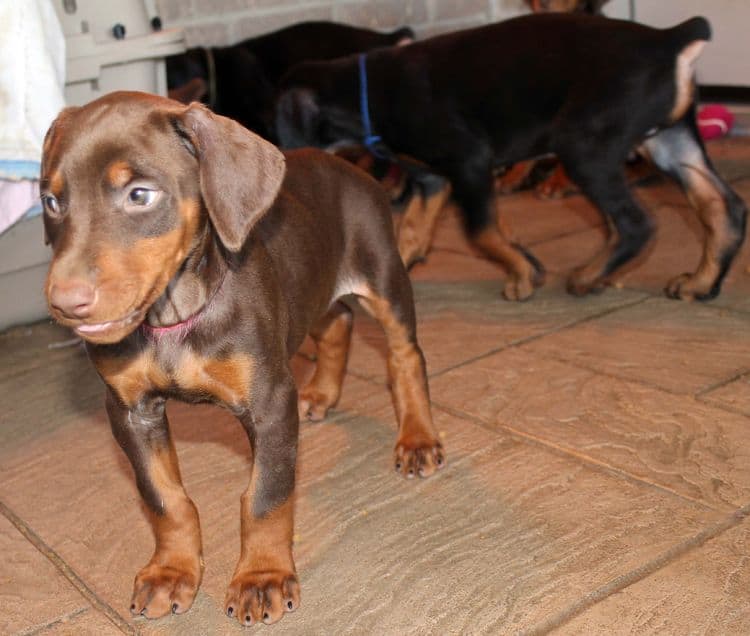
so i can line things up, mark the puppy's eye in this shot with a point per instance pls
(142, 197)
(51, 204)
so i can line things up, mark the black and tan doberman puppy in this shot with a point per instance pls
(467, 102)
(239, 81)
(193, 256)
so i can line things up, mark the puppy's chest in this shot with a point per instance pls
(184, 374)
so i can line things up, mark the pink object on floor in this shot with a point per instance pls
(714, 121)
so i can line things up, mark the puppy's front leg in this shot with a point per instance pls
(264, 585)
(170, 580)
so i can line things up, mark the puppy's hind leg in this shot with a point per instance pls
(679, 151)
(417, 227)
(602, 180)
(387, 296)
(482, 217)
(332, 335)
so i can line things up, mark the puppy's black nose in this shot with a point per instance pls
(72, 298)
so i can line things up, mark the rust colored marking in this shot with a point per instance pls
(171, 579)
(332, 338)
(119, 173)
(512, 179)
(522, 277)
(227, 380)
(712, 211)
(418, 225)
(56, 183)
(132, 377)
(266, 542)
(418, 450)
(684, 74)
(557, 185)
(266, 564)
(136, 276)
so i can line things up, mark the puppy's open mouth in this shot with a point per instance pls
(103, 328)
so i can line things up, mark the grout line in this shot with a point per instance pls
(68, 572)
(721, 406)
(39, 629)
(570, 453)
(515, 344)
(721, 383)
(623, 581)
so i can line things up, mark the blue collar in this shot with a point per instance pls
(370, 140)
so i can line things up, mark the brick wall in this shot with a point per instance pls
(222, 22)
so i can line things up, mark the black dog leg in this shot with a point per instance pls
(629, 227)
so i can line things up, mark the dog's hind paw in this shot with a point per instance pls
(691, 287)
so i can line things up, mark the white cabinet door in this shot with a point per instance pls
(726, 60)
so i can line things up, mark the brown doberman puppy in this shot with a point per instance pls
(193, 257)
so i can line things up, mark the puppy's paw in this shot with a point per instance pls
(418, 456)
(690, 287)
(582, 282)
(521, 286)
(261, 596)
(518, 289)
(163, 588)
(313, 405)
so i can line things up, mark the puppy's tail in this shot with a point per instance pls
(688, 40)
(404, 35)
(695, 29)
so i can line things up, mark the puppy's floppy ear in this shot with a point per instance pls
(240, 173)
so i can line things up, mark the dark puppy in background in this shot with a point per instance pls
(240, 81)
(193, 257)
(468, 102)
(554, 182)
(592, 7)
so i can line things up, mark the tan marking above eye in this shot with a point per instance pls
(56, 183)
(119, 173)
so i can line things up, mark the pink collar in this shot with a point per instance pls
(184, 327)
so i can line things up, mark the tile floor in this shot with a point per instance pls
(598, 478)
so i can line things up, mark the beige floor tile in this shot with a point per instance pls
(706, 591)
(454, 266)
(677, 443)
(500, 528)
(41, 388)
(88, 623)
(734, 395)
(684, 348)
(457, 323)
(33, 593)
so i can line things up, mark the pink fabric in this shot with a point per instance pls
(16, 198)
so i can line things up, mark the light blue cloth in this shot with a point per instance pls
(17, 170)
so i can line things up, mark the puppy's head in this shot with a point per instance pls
(131, 185)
